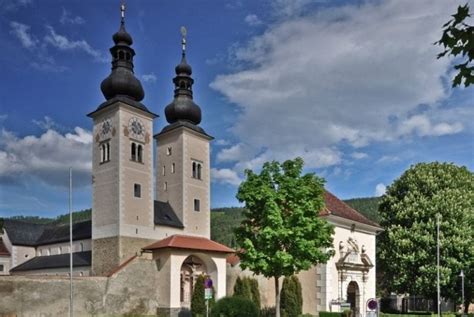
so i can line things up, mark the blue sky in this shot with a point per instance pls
(352, 87)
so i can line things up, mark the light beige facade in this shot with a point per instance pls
(181, 184)
(122, 184)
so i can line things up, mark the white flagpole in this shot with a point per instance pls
(70, 241)
(437, 262)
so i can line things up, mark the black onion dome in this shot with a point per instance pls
(122, 36)
(122, 80)
(183, 109)
(183, 67)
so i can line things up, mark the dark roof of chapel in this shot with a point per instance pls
(31, 234)
(55, 261)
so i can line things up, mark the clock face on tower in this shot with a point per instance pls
(105, 127)
(136, 128)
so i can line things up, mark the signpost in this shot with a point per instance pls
(207, 293)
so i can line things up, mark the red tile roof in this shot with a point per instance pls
(335, 206)
(3, 249)
(178, 241)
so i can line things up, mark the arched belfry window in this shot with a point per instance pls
(133, 151)
(140, 154)
(194, 170)
(104, 152)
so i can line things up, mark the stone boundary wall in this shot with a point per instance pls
(131, 291)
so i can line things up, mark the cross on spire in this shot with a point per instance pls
(122, 12)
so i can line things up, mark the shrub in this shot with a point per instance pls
(247, 287)
(235, 306)
(255, 291)
(291, 301)
(198, 303)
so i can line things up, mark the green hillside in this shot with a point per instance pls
(223, 220)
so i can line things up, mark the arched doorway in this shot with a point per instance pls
(353, 298)
(191, 268)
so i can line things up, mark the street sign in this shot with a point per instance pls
(208, 293)
(372, 304)
(208, 283)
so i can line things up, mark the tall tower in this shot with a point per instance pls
(122, 212)
(182, 166)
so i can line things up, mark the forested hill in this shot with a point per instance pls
(223, 220)
(367, 206)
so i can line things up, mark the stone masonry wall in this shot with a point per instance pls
(132, 291)
(105, 255)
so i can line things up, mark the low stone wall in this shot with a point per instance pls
(131, 291)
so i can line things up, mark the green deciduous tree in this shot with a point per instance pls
(407, 247)
(291, 304)
(282, 233)
(458, 40)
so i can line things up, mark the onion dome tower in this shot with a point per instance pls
(183, 111)
(121, 84)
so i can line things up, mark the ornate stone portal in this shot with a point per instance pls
(353, 267)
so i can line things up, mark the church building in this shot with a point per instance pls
(156, 208)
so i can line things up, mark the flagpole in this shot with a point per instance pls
(437, 262)
(70, 241)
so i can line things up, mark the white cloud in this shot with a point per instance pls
(46, 157)
(225, 176)
(422, 126)
(253, 20)
(62, 43)
(359, 155)
(67, 18)
(221, 142)
(47, 123)
(387, 159)
(349, 75)
(380, 189)
(149, 78)
(22, 32)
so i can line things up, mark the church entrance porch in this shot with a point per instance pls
(180, 260)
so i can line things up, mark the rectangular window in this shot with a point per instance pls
(1, 268)
(165, 186)
(164, 170)
(168, 151)
(197, 205)
(173, 168)
(137, 190)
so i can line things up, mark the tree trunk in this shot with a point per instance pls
(277, 296)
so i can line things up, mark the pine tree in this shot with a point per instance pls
(198, 303)
(255, 291)
(291, 300)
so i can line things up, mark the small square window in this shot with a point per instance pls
(169, 151)
(197, 205)
(1, 268)
(137, 190)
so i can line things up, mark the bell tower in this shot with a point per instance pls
(182, 166)
(122, 162)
